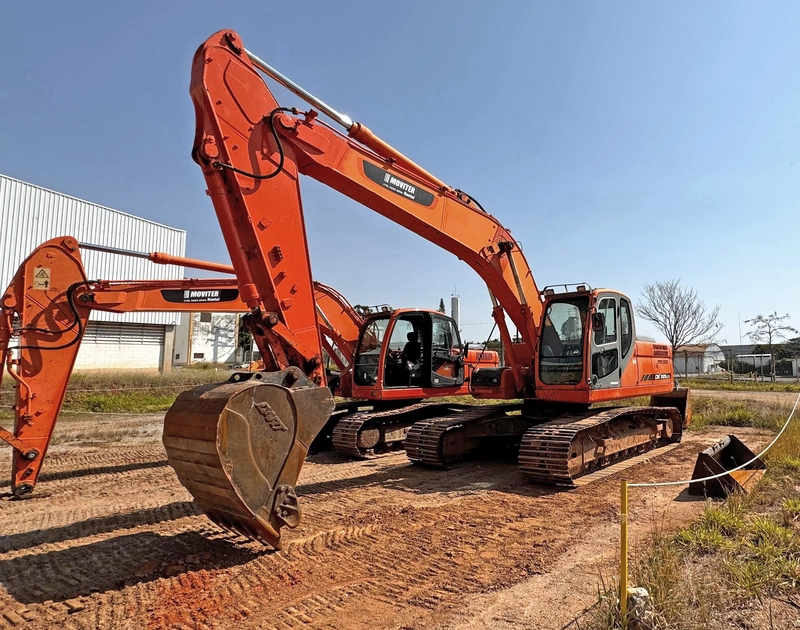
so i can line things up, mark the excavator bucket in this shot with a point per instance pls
(725, 455)
(238, 447)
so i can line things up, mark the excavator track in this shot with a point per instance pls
(238, 447)
(559, 451)
(441, 441)
(369, 433)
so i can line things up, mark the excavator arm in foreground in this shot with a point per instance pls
(252, 152)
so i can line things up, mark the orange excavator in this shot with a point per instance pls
(45, 310)
(388, 382)
(238, 447)
(44, 315)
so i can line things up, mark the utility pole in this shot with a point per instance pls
(738, 317)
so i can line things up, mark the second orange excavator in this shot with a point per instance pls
(239, 447)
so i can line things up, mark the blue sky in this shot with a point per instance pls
(622, 142)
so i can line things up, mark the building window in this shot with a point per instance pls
(205, 318)
(177, 357)
(199, 355)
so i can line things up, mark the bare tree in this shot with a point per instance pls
(768, 330)
(678, 313)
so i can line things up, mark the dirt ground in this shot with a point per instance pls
(112, 540)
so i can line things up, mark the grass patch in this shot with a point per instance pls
(738, 385)
(147, 379)
(741, 556)
(738, 413)
(128, 391)
(122, 402)
(471, 400)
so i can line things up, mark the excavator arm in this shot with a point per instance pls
(339, 323)
(239, 448)
(44, 315)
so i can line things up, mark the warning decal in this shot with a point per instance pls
(41, 278)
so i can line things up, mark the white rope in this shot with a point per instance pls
(680, 483)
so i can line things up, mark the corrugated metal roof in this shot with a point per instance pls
(30, 215)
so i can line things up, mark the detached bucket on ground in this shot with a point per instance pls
(724, 456)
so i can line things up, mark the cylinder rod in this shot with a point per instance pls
(113, 250)
(162, 258)
(290, 85)
(355, 130)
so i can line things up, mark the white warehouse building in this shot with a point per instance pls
(31, 215)
(207, 337)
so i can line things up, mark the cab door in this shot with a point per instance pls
(606, 349)
(446, 353)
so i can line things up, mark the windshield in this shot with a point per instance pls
(369, 352)
(561, 357)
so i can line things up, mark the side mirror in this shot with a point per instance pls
(598, 322)
(465, 350)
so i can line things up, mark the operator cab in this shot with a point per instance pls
(409, 349)
(597, 324)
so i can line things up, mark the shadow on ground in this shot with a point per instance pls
(98, 470)
(98, 525)
(113, 564)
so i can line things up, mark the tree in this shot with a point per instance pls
(678, 313)
(244, 340)
(789, 350)
(768, 330)
(441, 306)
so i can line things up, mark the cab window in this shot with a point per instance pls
(608, 308)
(626, 326)
(445, 339)
(369, 352)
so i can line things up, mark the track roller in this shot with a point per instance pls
(558, 451)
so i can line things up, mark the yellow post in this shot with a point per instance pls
(623, 555)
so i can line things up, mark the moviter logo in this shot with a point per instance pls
(202, 295)
(199, 296)
(399, 183)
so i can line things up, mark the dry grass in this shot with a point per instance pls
(721, 383)
(738, 558)
(738, 413)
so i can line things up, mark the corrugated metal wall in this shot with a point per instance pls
(30, 215)
(114, 345)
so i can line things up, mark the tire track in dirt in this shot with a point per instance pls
(381, 541)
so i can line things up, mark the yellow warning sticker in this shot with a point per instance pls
(41, 278)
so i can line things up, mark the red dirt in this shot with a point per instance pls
(111, 540)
